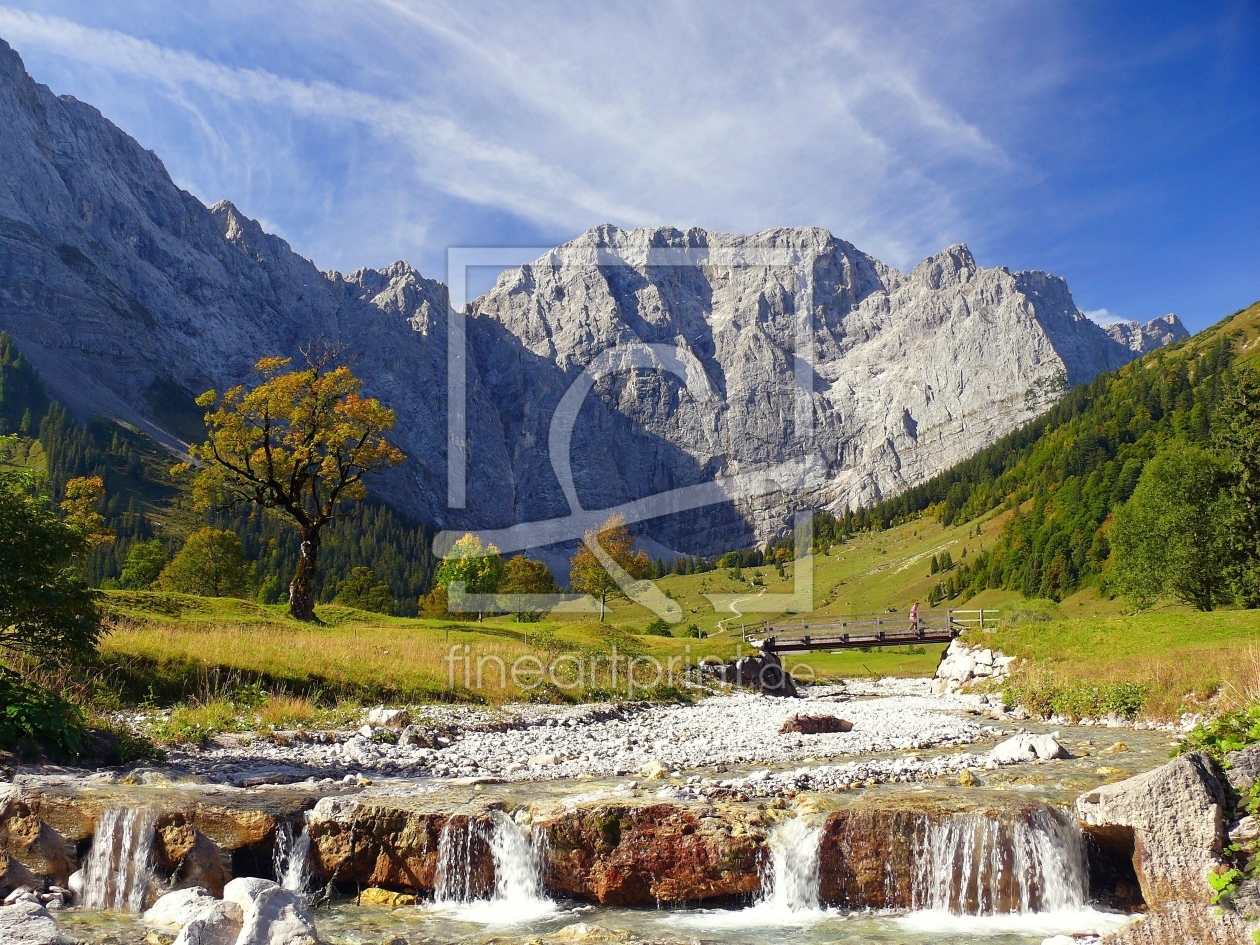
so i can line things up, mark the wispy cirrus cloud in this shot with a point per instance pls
(571, 117)
(1095, 142)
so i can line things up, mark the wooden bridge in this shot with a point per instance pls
(868, 631)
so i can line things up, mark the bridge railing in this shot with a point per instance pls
(888, 629)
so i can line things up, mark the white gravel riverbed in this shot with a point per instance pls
(704, 741)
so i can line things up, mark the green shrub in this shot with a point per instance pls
(658, 628)
(691, 630)
(1077, 700)
(30, 713)
(197, 724)
(1225, 733)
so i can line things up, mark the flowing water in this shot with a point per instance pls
(1008, 879)
(790, 877)
(291, 857)
(985, 865)
(517, 852)
(118, 868)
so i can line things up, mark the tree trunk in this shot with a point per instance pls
(302, 590)
(603, 596)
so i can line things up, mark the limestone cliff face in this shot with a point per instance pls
(118, 285)
(911, 372)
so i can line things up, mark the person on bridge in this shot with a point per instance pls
(914, 617)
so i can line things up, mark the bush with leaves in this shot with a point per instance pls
(211, 564)
(658, 628)
(46, 609)
(48, 615)
(1167, 539)
(145, 561)
(361, 589)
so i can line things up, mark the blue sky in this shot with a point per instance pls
(1117, 145)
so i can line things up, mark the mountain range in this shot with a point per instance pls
(131, 296)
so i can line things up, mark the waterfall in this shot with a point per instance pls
(790, 876)
(290, 856)
(518, 853)
(518, 863)
(118, 868)
(980, 865)
(458, 850)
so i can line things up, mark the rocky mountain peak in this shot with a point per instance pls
(114, 279)
(1165, 330)
(951, 266)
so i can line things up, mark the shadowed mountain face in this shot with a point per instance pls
(130, 295)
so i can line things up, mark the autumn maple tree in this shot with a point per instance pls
(300, 441)
(589, 576)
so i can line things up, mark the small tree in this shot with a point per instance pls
(522, 576)
(145, 561)
(79, 510)
(298, 441)
(361, 589)
(479, 567)
(1238, 439)
(211, 564)
(47, 611)
(588, 575)
(1166, 538)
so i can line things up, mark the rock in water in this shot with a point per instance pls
(278, 917)
(1170, 821)
(815, 725)
(375, 896)
(177, 909)
(1022, 748)
(29, 923)
(220, 924)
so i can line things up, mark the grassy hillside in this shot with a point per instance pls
(1066, 472)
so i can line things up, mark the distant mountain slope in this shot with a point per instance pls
(1071, 468)
(911, 371)
(130, 296)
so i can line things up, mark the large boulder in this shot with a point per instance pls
(1172, 822)
(962, 665)
(277, 916)
(628, 854)
(185, 852)
(1174, 819)
(177, 909)
(29, 923)
(1242, 769)
(220, 924)
(1022, 748)
(382, 845)
(27, 839)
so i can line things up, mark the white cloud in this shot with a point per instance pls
(561, 116)
(1104, 317)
